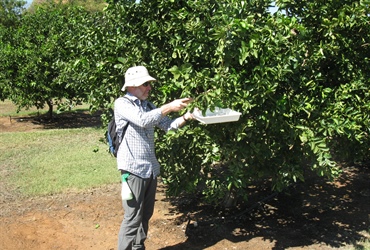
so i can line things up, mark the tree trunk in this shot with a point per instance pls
(50, 112)
(230, 199)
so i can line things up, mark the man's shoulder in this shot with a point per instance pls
(125, 100)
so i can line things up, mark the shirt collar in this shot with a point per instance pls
(137, 100)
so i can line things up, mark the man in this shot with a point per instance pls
(136, 155)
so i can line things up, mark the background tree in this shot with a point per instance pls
(35, 54)
(10, 13)
(89, 5)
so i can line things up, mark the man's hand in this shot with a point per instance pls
(179, 104)
(175, 105)
(188, 116)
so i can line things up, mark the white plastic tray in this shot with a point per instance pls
(219, 115)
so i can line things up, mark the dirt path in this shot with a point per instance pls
(313, 215)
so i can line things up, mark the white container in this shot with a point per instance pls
(219, 115)
(126, 192)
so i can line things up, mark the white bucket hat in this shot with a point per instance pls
(136, 76)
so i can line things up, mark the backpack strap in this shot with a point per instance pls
(126, 126)
(151, 106)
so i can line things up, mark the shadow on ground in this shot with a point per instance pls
(315, 212)
(76, 119)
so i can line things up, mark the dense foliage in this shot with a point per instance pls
(300, 79)
(10, 11)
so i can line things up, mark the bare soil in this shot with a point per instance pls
(313, 215)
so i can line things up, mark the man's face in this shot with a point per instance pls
(141, 92)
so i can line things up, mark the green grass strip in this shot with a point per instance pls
(54, 161)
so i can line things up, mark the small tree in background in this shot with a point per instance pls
(34, 55)
(10, 14)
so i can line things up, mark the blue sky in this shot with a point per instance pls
(28, 3)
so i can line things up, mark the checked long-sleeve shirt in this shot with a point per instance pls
(136, 153)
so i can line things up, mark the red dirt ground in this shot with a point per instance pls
(311, 215)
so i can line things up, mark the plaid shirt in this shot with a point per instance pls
(136, 153)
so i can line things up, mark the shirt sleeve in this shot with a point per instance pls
(167, 124)
(127, 111)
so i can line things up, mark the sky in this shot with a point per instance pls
(28, 3)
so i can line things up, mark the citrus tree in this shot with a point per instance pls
(10, 11)
(287, 74)
(10, 14)
(337, 47)
(33, 58)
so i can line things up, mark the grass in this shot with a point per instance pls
(55, 161)
(7, 108)
(50, 161)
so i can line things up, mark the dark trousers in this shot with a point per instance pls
(137, 212)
